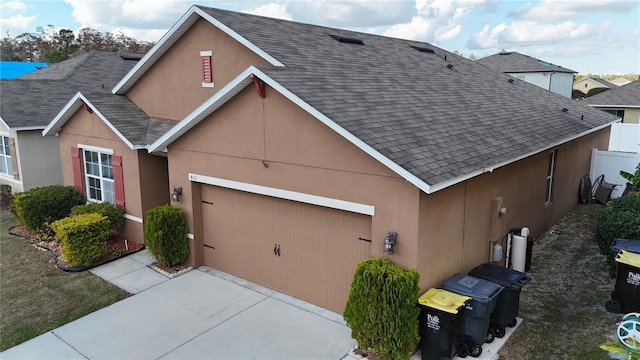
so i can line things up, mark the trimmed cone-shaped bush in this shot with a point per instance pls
(165, 235)
(83, 238)
(382, 309)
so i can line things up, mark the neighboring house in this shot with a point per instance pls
(623, 101)
(535, 71)
(14, 69)
(29, 103)
(296, 149)
(620, 81)
(586, 84)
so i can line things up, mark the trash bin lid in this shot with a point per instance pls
(500, 275)
(628, 258)
(632, 245)
(443, 300)
(476, 288)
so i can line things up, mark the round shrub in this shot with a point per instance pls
(382, 309)
(83, 238)
(165, 235)
(112, 212)
(38, 206)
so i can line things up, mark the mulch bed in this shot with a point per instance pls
(117, 247)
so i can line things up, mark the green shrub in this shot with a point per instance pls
(382, 309)
(596, 91)
(5, 196)
(619, 219)
(46, 204)
(17, 206)
(112, 212)
(165, 235)
(83, 238)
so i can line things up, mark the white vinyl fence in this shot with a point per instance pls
(625, 137)
(610, 163)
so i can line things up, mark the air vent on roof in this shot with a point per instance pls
(348, 39)
(564, 110)
(422, 49)
(505, 53)
(510, 80)
(449, 66)
(135, 57)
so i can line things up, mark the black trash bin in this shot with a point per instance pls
(508, 303)
(625, 298)
(441, 324)
(484, 296)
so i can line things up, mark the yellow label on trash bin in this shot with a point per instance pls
(443, 300)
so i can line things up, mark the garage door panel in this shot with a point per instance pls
(319, 247)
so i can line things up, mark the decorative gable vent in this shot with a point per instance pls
(348, 39)
(207, 71)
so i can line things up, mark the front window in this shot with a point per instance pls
(550, 169)
(6, 167)
(99, 176)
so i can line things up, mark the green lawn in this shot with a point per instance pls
(36, 296)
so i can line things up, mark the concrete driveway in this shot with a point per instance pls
(202, 314)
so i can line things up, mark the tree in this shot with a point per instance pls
(64, 46)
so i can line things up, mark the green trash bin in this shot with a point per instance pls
(440, 324)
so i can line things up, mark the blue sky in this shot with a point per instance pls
(596, 36)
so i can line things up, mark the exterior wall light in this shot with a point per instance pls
(389, 241)
(176, 193)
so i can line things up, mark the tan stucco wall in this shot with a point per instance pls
(302, 155)
(631, 116)
(172, 88)
(455, 223)
(87, 129)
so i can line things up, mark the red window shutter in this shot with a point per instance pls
(14, 158)
(76, 160)
(118, 180)
(207, 76)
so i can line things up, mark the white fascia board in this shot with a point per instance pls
(344, 133)
(28, 128)
(465, 177)
(63, 116)
(168, 39)
(285, 194)
(71, 108)
(172, 36)
(207, 108)
(616, 106)
(227, 30)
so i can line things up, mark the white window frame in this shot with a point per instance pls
(5, 156)
(549, 179)
(100, 179)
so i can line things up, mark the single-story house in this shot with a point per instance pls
(14, 69)
(30, 102)
(548, 76)
(295, 150)
(586, 84)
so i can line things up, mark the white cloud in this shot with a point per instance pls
(553, 10)
(438, 20)
(13, 21)
(142, 19)
(13, 6)
(351, 13)
(273, 10)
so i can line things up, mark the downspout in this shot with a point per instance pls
(550, 75)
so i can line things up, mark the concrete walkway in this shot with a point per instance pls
(201, 314)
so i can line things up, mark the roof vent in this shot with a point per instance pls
(510, 80)
(505, 53)
(422, 49)
(347, 39)
(135, 57)
(564, 110)
(449, 66)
